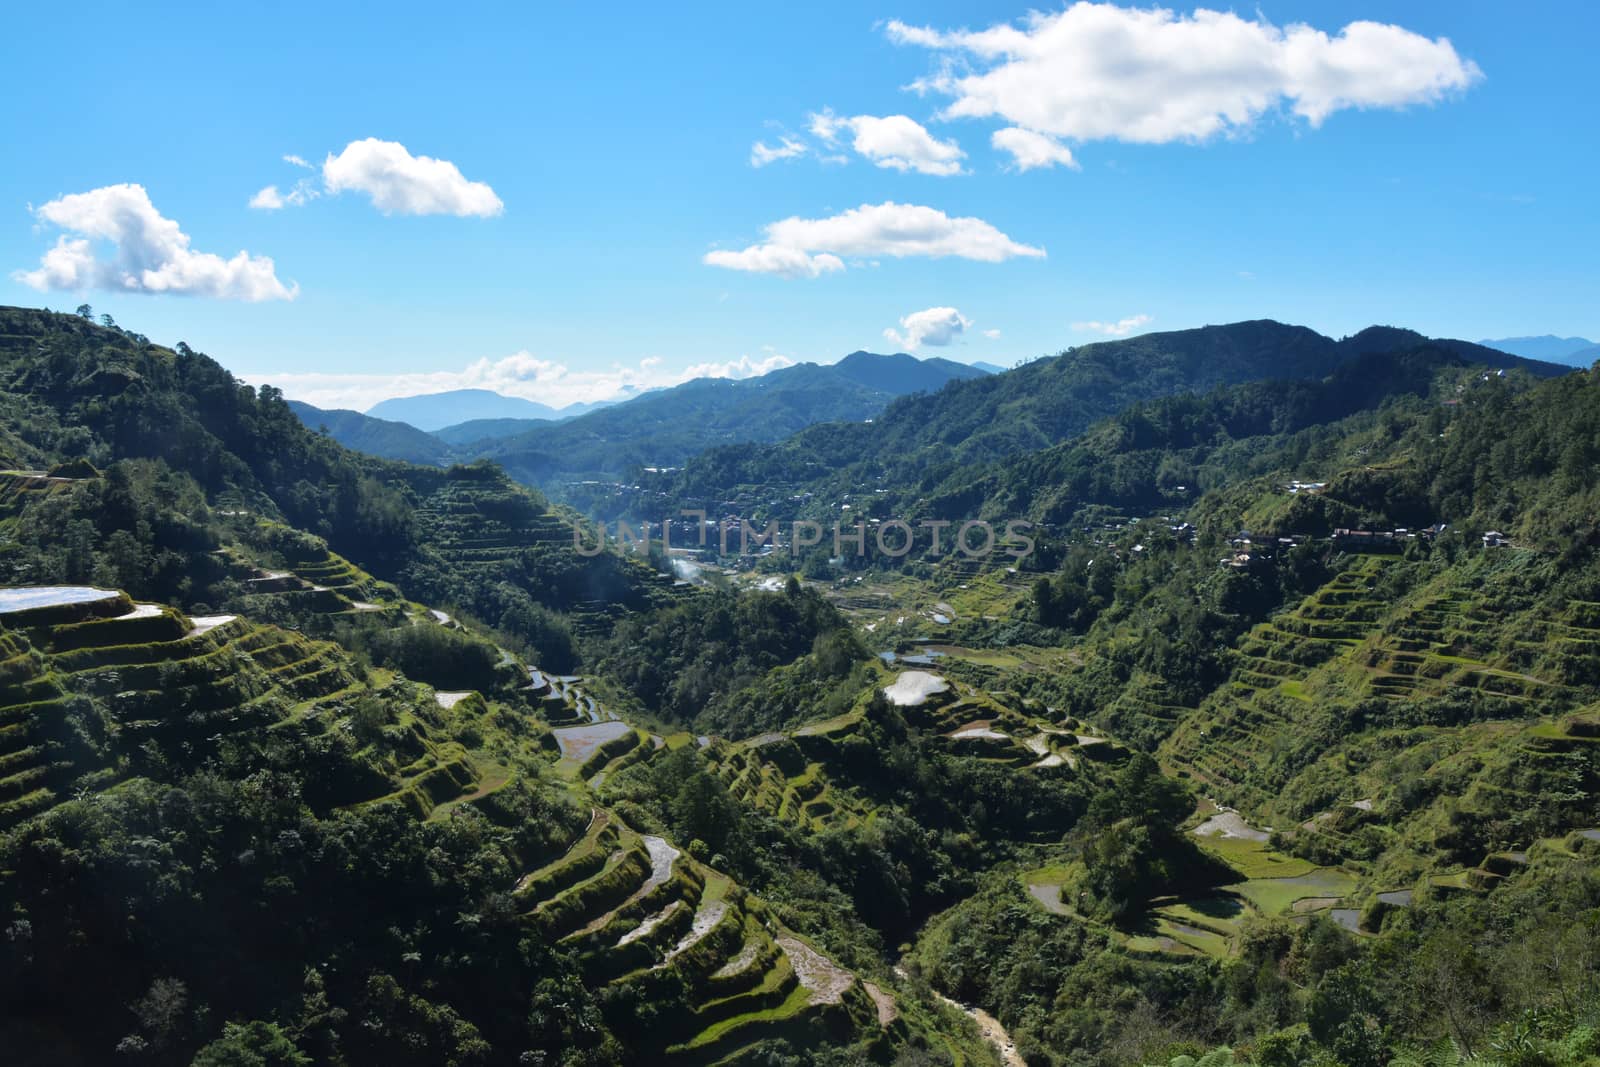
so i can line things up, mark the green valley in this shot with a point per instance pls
(1281, 741)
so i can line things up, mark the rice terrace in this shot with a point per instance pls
(800, 536)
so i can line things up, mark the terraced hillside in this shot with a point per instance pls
(642, 915)
(96, 690)
(482, 530)
(1393, 642)
(92, 698)
(647, 919)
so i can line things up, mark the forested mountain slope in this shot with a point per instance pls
(376, 437)
(1405, 722)
(268, 806)
(666, 427)
(1229, 760)
(920, 441)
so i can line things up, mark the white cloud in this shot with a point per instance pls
(899, 230)
(743, 367)
(775, 259)
(1098, 71)
(993, 335)
(521, 374)
(896, 142)
(270, 199)
(148, 253)
(298, 161)
(1030, 150)
(932, 326)
(805, 248)
(399, 182)
(1120, 328)
(787, 147)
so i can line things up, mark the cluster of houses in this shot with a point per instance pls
(1245, 552)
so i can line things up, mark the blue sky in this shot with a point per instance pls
(599, 163)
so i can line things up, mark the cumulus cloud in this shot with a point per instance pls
(400, 183)
(1030, 150)
(1120, 328)
(743, 367)
(787, 147)
(896, 142)
(1096, 71)
(268, 199)
(520, 374)
(931, 326)
(115, 239)
(802, 248)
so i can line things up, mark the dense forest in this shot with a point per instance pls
(1281, 749)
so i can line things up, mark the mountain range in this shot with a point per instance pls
(662, 427)
(389, 438)
(920, 440)
(1572, 351)
(435, 411)
(1281, 743)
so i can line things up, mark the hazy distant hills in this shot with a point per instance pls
(1572, 351)
(435, 411)
(667, 426)
(870, 413)
(377, 437)
(662, 427)
(474, 431)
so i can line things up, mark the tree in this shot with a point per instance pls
(86, 312)
(252, 1044)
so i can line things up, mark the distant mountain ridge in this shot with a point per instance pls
(1573, 351)
(656, 427)
(920, 439)
(435, 411)
(667, 426)
(474, 431)
(377, 437)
